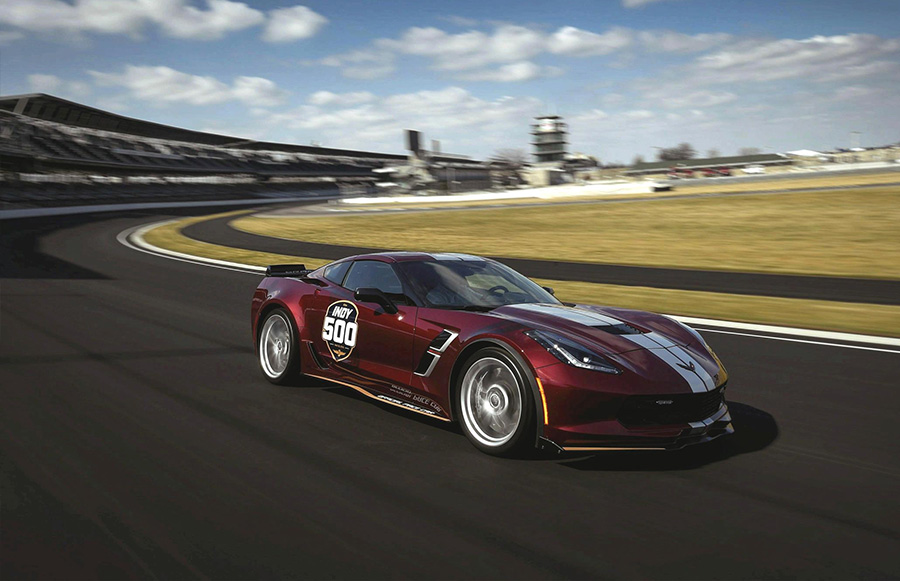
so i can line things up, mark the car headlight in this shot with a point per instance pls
(572, 353)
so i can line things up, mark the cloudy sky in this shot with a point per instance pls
(628, 75)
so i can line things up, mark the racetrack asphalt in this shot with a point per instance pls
(853, 290)
(139, 440)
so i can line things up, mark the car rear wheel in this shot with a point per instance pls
(277, 348)
(495, 403)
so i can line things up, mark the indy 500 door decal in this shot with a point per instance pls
(340, 328)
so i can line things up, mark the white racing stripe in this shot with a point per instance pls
(580, 316)
(698, 369)
(677, 358)
(693, 380)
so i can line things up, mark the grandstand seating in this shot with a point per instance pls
(76, 162)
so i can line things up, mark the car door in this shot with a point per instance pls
(362, 338)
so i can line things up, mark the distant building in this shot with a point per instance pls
(696, 167)
(549, 138)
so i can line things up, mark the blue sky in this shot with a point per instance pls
(628, 75)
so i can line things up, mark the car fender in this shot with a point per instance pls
(517, 353)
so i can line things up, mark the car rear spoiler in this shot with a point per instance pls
(290, 270)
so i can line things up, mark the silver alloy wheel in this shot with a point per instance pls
(275, 346)
(491, 401)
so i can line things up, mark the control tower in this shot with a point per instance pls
(549, 138)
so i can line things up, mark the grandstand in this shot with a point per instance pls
(56, 152)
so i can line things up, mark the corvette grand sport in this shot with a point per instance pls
(467, 339)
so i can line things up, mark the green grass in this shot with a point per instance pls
(853, 233)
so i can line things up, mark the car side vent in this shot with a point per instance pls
(620, 329)
(437, 347)
(426, 364)
(439, 341)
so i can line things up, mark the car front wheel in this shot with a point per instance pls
(495, 403)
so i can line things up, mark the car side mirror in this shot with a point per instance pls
(374, 295)
(549, 289)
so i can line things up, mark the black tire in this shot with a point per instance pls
(277, 348)
(487, 413)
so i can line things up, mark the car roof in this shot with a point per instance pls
(414, 256)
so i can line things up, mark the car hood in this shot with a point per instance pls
(652, 346)
(612, 330)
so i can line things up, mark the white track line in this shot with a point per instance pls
(134, 238)
(845, 346)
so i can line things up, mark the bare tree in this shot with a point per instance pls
(637, 159)
(713, 153)
(515, 158)
(749, 151)
(677, 153)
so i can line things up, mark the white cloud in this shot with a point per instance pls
(507, 53)
(453, 115)
(826, 57)
(702, 98)
(39, 83)
(290, 24)
(340, 99)
(222, 16)
(467, 50)
(638, 3)
(588, 116)
(676, 42)
(362, 64)
(163, 84)
(176, 18)
(511, 73)
(44, 83)
(638, 115)
(573, 41)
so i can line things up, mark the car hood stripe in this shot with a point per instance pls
(659, 345)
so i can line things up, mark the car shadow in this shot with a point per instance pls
(754, 430)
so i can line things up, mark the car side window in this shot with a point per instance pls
(335, 272)
(373, 274)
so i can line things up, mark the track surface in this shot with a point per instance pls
(138, 439)
(853, 290)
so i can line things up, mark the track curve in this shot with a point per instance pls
(140, 440)
(828, 288)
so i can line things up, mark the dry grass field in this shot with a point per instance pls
(853, 233)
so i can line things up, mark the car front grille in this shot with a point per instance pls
(661, 410)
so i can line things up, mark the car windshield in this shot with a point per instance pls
(476, 284)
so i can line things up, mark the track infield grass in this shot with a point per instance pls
(851, 233)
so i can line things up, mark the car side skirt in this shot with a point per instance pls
(385, 398)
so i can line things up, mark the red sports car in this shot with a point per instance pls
(467, 339)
